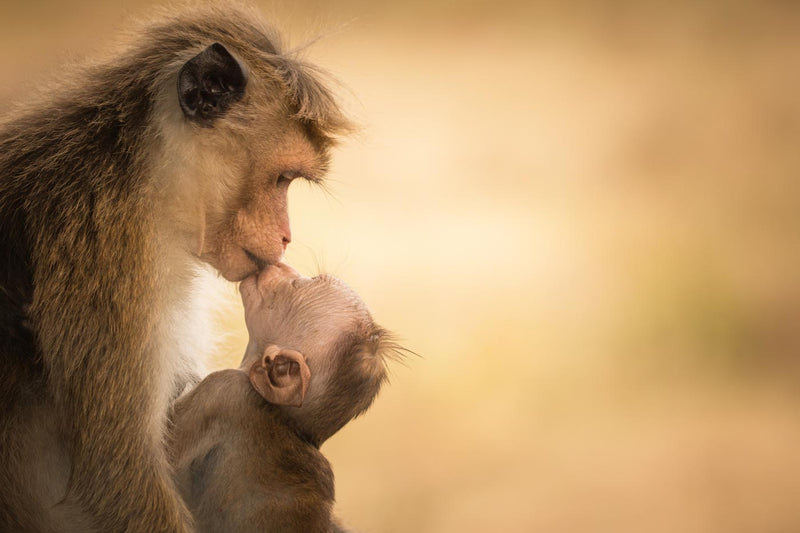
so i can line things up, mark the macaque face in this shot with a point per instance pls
(325, 321)
(231, 148)
(250, 229)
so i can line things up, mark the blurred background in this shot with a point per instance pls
(584, 217)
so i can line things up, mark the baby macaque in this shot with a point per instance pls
(245, 443)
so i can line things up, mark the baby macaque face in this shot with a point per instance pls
(313, 348)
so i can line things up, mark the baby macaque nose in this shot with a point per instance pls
(277, 273)
(289, 272)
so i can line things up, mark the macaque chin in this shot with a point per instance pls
(245, 444)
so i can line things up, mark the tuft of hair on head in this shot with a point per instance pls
(386, 346)
(315, 105)
(314, 94)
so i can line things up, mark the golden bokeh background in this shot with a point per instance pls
(585, 218)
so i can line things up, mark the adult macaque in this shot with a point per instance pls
(315, 355)
(115, 186)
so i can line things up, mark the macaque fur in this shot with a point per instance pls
(116, 186)
(316, 356)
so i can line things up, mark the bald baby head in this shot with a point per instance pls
(314, 349)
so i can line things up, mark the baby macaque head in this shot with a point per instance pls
(313, 349)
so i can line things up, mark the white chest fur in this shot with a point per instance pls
(187, 334)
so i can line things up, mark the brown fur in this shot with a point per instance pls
(244, 464)
(241, 468)
(109, 201)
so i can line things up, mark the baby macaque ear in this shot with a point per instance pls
(281, 376)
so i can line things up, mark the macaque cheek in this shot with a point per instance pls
(229, 259)
(263, 311)
(264, 314)
(267, 297)
(250, 244)
(251, 298)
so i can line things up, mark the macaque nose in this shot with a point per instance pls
(286, 234)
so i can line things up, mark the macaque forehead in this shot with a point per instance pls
(331, 291)
(292, 153)
(266, 126)
(328, 308)
(259, 137)
(260, 143)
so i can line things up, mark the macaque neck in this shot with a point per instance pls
(250, 357)
(295, 418)
(306, 434)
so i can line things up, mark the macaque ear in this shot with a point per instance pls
(209, 83)
(281, 376)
